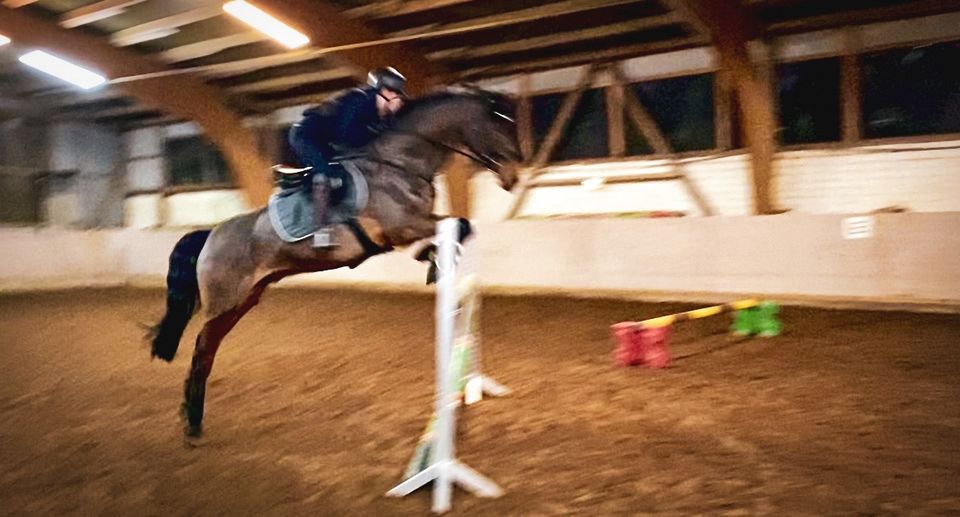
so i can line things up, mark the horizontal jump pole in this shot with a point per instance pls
(706, 312)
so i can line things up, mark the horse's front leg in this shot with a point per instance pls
(428, 251)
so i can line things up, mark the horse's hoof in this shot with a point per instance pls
(192, 436)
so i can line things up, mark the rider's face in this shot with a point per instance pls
(388, 102)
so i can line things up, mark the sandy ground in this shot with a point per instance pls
(318, 396)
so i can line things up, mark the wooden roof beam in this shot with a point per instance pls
(209, 47)
(557, 39)
(390, 8)
(327, 26)
(543, 12)
(95, 12)
(180, 95)
(13, 4)
(288, 81)
(162, 27)
(580, 58)
(903, 11)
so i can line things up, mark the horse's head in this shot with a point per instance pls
(491, 135)
(468, 120)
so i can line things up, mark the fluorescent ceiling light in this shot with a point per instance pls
(61, 69)
(4, 40)
(266, 24)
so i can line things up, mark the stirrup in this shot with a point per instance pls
(286, 169)
(323, 238)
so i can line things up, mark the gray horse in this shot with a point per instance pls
(228, 268)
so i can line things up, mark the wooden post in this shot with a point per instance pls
(615, 113)
(723, 106)
(525, 118)
(732, 25)
(458, 172)
(851, 94)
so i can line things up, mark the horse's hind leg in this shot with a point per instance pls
(208, 341)
(194, 389)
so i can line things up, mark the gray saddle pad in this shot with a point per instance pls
(291, 211)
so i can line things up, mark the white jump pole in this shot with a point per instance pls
(444, 470)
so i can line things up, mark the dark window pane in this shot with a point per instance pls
(912, 91)
(545, 109)
(217, 173)
(809, 96)
(287, 155)
(194, 161)
(586, 133)
(682, 108)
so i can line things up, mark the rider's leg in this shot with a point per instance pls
(323, 235)
(312, 156)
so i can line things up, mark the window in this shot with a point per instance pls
(586, 133)
(912, 91)
(683, 110)
(809, 96)
(194, 161)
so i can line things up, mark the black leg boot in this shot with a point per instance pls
(323, 235)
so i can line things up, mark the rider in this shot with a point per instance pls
(349, 121)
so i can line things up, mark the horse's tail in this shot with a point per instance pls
(183, 293)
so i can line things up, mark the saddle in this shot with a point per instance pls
(291, 209)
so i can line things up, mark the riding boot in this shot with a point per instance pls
(323, 234)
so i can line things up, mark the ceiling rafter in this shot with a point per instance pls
(288, 81)
(208, 47)
(905, 10)
(390, 8)
(531, 14)
(581, 58)
(95, 12)
(555, 39)
(326, 26)
(14, 4)
(162, 27)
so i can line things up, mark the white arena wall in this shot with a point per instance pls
(910, 260)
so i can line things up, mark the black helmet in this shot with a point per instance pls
(389, 78)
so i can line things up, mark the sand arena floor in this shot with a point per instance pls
(318, 397)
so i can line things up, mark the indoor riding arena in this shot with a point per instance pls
(707, 248)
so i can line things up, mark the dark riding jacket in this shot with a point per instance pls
(349, 121)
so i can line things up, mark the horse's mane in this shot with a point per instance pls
(457, 91)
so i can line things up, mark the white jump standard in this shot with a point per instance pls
(458, 379)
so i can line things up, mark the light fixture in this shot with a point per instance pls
(4, 40)
(263, 22)
(62, 69)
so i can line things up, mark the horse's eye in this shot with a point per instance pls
(505, 117)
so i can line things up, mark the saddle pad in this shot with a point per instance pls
(291, 214)
(291, 210)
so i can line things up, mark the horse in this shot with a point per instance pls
(222, 272)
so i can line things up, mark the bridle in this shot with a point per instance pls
(483, 159)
